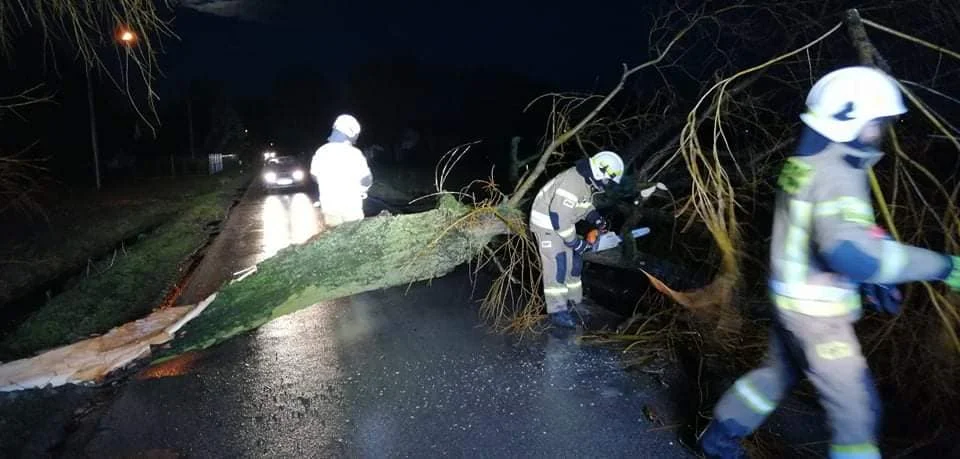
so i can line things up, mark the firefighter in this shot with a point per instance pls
(559, 205)
(826, 249)
(342, 174)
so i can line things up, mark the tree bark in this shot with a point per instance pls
(868, 54)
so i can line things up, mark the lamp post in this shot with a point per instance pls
(128, 38)
(93, 127)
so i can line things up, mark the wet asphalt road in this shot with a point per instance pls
(261, 224)
(394, 373)
(388, 374)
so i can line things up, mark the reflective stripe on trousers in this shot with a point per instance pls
(827, 352)
(815, 300)
(560, 272)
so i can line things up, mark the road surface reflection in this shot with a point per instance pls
(287, 219)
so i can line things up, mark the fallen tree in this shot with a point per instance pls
(356, 257)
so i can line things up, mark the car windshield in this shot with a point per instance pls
(283, 161)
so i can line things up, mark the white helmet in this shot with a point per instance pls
(841, 103)
(606, 165)
(348, 125)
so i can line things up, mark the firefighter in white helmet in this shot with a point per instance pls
(342, 174)
(826, 250)
(559, 205)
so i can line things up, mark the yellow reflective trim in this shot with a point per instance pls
(573, 285)
(817, 308)
(584, 205)
(794, 271)
(953, 279)
(796, 248)
(849, 208)
(856, 450)
(555, 291)
(567, 232)
(753, 398)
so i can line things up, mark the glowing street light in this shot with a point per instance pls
(127, 37)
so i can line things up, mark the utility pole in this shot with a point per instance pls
(93, 127)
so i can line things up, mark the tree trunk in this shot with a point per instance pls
(356, 257)
(868, 54)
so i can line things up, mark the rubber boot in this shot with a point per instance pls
(720, 442)
(563, 319)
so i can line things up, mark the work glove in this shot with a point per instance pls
(883, 298)
(953, 280)
(601, 224)
(580, 246)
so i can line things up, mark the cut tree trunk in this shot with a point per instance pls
(356, 257)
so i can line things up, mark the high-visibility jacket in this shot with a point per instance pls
(341, 170)
(825, 239)
(561, 203)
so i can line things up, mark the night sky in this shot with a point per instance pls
(247, 42)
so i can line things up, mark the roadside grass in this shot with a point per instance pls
(39, 248)
(127, 282)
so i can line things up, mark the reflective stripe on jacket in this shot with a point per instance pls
(825, 241)
(561, 203)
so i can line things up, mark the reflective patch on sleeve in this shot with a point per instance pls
(795, 175)
(834, 350)
(567, 232)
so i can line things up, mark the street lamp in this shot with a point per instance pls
(128, 38)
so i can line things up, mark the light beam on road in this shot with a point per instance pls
(287, 219)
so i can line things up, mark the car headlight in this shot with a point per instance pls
(270, 177)
(298, 175)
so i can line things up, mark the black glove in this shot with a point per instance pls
(579, 246)
(601, 224)
(597, 220)
(883, 298)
